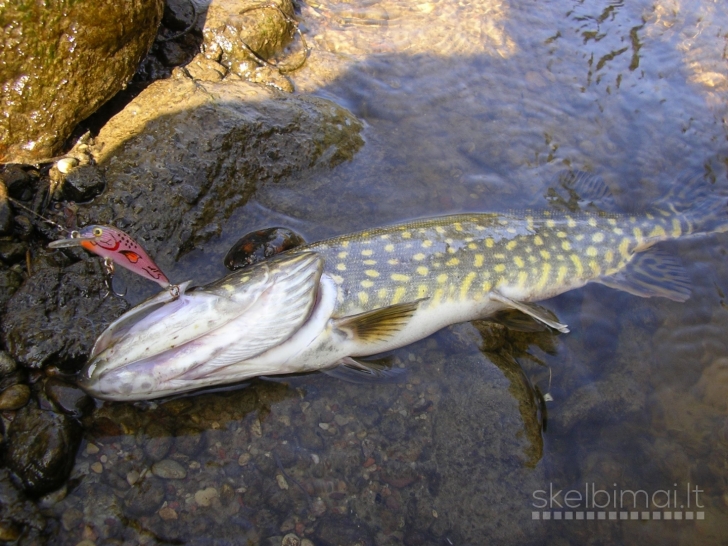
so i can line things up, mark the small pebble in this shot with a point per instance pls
(244, 459)
(282, 483)
(132, 477)
(97, 467)
(7, 364)
(291, 540)
(91, 449)
(324, 426)
(168, 469)
(167, 513)
(204, 497)
(14, 397)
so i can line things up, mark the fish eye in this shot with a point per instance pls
(98, 232)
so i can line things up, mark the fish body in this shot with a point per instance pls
(324, 304)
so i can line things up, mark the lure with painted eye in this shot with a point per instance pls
(111, 243)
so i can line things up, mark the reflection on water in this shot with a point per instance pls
(469, 106)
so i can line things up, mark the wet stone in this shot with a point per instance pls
(10, 281)
(158, 442)
(14, 397)
(83, 183)
(144, 498)
(7, 364)
(42, 448)
(68, 398)
(168, 469)
(12, 252)
(189, 441)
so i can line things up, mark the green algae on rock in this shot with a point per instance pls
(60, 61)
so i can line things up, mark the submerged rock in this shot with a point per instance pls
(42, 448)
(61, 62)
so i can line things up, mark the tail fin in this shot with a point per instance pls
(701, 206)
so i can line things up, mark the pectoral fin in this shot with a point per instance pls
(531, 310)
(378, 325)
(652, 273)
(357, 371)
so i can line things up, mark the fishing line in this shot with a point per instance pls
(51, 222)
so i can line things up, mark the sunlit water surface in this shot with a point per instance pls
(469, 106)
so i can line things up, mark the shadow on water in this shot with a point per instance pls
(455, 454)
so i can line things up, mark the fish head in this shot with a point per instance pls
(167, 346)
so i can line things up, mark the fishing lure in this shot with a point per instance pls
(116, 247)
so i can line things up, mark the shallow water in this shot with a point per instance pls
(469, 106)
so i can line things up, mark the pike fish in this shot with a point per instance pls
(323, 305)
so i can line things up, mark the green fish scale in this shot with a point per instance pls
(463, 257)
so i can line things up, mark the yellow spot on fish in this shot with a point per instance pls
(579, 237)
(371, 273)
(450, 250)
(522, 278)
(393, 261)
(570, 222)
(511, 245)
(367, 252)
(608, 256)
(363, 298)
(452, 261)
(370, 262)
(478, 261)
(406, 235)
(399, 277)
(592, 222)
(472, 246)
(385, 236)
(577, 264)
(537, 240)
(437, 296)
(467, 281)
(649, 216)
(618, 231)
(345, 244)
(545, 254)
(389, 248)
(561, 234)
(487, 286)
(566, 245)
(439, 229)
(532, 259)
(489, 242)
(426, 243)
(499, 256)
(230, 287)
(624, 248)
(458, 226)
(594, 266)
(341, 267)
(338, 279)
(637, 232)
(343, 255)
(367, 283)
(441, 278)
(511, 230)
(479, 227)
(676, 228)
(518, 261)
(422, 270)
(529, 223)
(550, 223)
(421, 291)
(591, 251)
(419, 256)
(612, 222)
(500, 268)
(398, 295)
(382, 293)
(597, 237)
(561, 275)
(545, 272)
(658, 231)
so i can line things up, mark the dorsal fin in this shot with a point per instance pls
(580, 191)
(652, 273)
(379, 324)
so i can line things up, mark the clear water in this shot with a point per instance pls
(468, 106)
